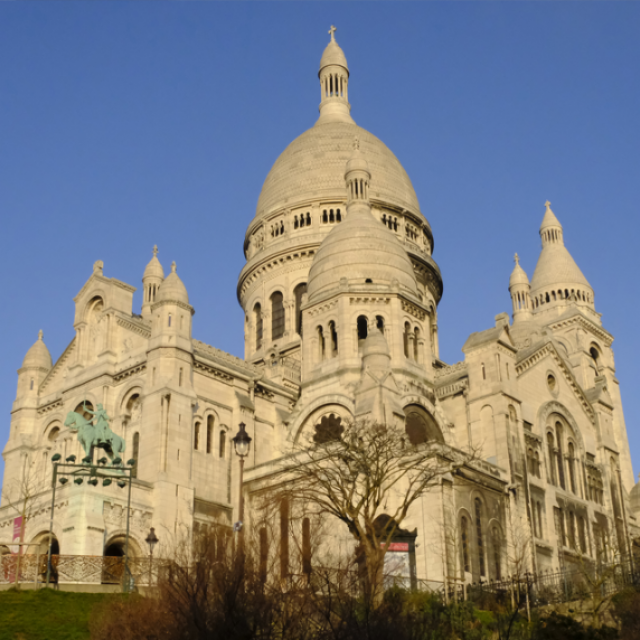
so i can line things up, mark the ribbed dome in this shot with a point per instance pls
(360, 249)
(154, 268)
(333, 54)
(518, 275)
(555, 264)
(172, 289)
(312, 168)
(38, 355)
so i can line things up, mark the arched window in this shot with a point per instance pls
(135, 454)
(297, 294)
(334, 339)
(551, 453)
(363, 327)
(196, 436)
(560, 456)
(264, 554)
(484, 371)
(169, 321)
(223, 444)
(420, 427)
(321, 343)
(464, 538)
(497, 551)
(479, 536)
(407, 331)
(306, 546)
(572, 467)
(257, 319)
(277, 315)
(416, 340)
(209, 433)
(380, 324)
(539, 512)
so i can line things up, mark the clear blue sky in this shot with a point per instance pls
(124, 125)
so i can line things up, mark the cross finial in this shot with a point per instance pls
(40, 334)
(547, 204)
(332, 33)
(155, 250)
(173, 267)
(517, 259)
(356, 143)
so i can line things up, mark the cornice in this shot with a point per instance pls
(586, 324)
(58, 365)
(136, 326)
(177, 303)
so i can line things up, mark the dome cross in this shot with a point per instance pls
(332, 32)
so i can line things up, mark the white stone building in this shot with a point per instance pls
(340, 293)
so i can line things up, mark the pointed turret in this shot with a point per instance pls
(557, 278)
(35, 366)
(171, 314)
(520, 291)
(334, 82)
(151, 281)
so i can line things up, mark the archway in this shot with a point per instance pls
(113, 558)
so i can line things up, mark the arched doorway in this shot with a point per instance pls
(38, 552)
(113, 558)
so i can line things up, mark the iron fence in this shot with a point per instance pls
(32, 568)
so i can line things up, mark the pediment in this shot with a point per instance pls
(534, 357)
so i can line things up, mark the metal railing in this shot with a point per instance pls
(78, 569)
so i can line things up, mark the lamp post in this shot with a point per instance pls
(242, 445)
(152, 541)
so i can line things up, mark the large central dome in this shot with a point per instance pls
(312, 168)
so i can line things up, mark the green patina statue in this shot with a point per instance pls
(95, 435)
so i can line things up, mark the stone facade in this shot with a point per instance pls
(340, 293)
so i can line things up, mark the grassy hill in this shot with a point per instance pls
(47, 614)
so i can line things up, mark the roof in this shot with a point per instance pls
(312, 168)
(172, 289)
(38, 355)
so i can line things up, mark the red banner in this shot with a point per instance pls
(397, 546)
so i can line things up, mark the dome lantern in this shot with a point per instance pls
(334, 82)
(520, 290)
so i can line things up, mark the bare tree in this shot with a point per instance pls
(366, 475)
(19, 496)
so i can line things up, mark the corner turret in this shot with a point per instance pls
(520, 291)
(151, 281)
(35, 367)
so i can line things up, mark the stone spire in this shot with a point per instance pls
(520, 291)
(334, 82)
(151, 280)
(557, 278)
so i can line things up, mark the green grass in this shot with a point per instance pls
(47, 614)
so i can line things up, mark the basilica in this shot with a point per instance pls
(340, 293)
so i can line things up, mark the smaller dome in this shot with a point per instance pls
(154, 268)
(360, 250)
(333, 54)
(38, 355)
(518, 275)
(172, 289)
(357, 161)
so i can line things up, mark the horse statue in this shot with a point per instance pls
(95, 435)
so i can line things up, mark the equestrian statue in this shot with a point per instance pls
(95, 432)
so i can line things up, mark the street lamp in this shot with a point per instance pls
(242, 445)
(152, 541)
